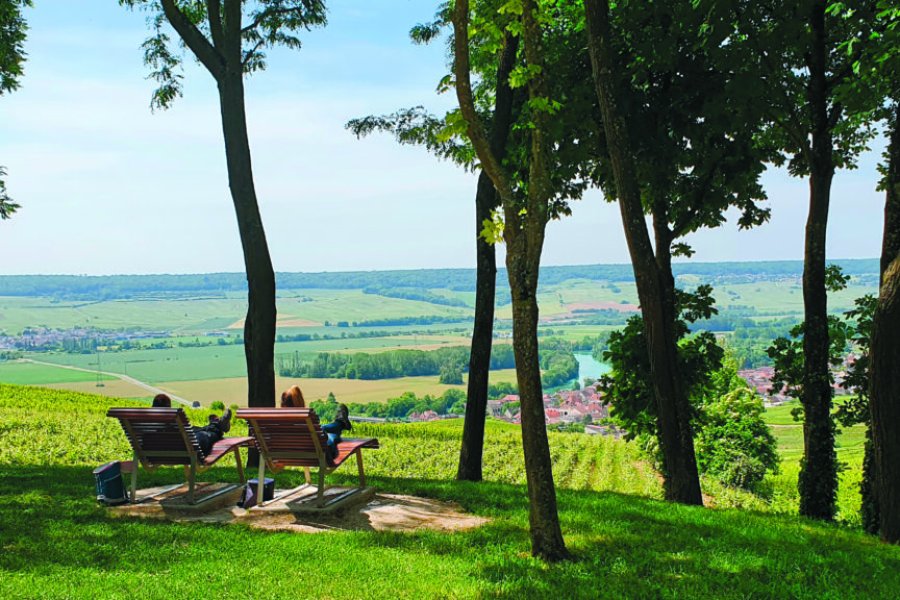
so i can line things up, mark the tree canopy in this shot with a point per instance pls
(13, 30)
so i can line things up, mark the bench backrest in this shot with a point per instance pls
(287, 436)
(159, 436)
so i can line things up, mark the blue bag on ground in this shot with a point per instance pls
(110, 487)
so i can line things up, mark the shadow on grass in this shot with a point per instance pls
(623, 546)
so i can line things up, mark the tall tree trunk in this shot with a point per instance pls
(472, 449)
(818, 472)
(486, 201)
(682, 481)
(524, 235)
(259, 327)
(884, 370)
(522, 268)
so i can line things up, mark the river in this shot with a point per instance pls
(588, 367)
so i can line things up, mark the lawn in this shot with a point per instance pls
(57, 543)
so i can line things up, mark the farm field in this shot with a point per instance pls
(187, 317)
(309, 311)
(215, 362)
(234, 390)
(625, 541)
(204, 313)
(30, 374)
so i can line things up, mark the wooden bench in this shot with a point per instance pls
(164, 436)
(293, 437)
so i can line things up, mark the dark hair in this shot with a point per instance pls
(162, 401)
(293, 398)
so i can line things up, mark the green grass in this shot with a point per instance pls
(782, 487)
(30, 374)
(57, 543)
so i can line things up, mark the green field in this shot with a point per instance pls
(205, 313)
(58, 543)
(23, 373)
(789, 435)
(186, 318)
(216, 362)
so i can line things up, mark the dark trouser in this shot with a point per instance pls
(333, 432)
(207, 436)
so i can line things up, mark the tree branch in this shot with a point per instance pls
(214, 16)
(538, 176)
(233, 37)
(270, 12)
(252, 52)
(489, 162)
(208, 56)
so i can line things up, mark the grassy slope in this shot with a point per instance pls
(782, 487)
(58, 543)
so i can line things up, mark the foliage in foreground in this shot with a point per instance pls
(59, 543)
(733, 443)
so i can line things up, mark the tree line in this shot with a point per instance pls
(557, 360)
(107, 287)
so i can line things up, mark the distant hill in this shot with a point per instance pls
(105, 287)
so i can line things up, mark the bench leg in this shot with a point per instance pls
(240, 467)
(320, 494)
(192, 475)
(134, 469)
(261, 482)
(307, 475)
(362, 472)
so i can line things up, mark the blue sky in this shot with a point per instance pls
(106, 186)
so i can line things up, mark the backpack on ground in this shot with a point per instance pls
(110, 486)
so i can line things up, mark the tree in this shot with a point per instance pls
(415, 126)
(680, 145)
(13, 29)
(879, 67)
(734, 444)
(526, 209)
(215, 33)
(884, 376)
(451, 374)
(821, 121)
(856, 409)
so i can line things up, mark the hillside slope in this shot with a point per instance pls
(58, 543)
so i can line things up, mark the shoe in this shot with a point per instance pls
(343, 417)
(213, 419)
(225, 421)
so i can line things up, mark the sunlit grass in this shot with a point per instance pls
(57, 543)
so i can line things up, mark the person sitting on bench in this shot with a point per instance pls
(293, 398)
(207, 435)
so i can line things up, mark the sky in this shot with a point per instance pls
(107, 186)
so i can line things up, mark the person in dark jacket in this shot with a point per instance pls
(207, 435)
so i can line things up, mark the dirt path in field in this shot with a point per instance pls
(153, 390)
